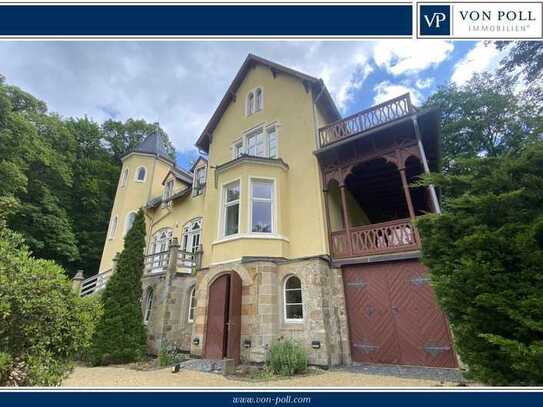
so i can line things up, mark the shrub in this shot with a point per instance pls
(43, 324)
(170, 354)
(485, 254)
(120, 334)
(287, 358)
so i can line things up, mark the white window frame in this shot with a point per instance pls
(249, 104)
(196, 182)
(222, 223)
(259, 106)
(264, 130)
(124, 178)
(113, 227)
(187, 239)
(293, 320)
(168, 192)
(252, 180)
(126, 221)
(235, 145)
(149, 298)
(192, 306)
(136, 174)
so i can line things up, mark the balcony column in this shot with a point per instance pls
(407, 193)
(76, 281)
(328, 223)
(346, 218)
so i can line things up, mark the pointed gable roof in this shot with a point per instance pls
(317, 85)
(153, 144)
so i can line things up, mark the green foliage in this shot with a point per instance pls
(170, 354)
(485, 254)
(58, 177)
(43, 324)
(287, 358)
(483, 118)
(120, 335)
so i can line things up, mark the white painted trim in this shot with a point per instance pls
(222, 218)
(123, 181)
(192, 290)
(219, 263)
(126, 221)
(239, 236)
(253, 107)
(113, 231)
(274, 205)
(284, 287)
(144, 175)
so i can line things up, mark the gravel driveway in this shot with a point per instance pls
(119, 376)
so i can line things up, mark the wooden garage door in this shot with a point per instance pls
(394, 317)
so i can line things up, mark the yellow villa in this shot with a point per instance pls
(295, 223)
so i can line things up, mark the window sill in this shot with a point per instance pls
(239, 236)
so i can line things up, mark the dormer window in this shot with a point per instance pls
(168, 190)
(255, 101)
(199, 182)
(140, 174)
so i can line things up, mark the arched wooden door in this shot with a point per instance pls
(223, 331)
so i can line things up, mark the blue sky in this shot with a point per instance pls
(179, 84)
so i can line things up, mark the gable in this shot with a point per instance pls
(313, 85)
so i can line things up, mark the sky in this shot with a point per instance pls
(179, 84)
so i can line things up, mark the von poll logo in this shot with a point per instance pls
(435, 20)
(481, 20)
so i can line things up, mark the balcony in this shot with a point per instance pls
(95, 283)
(381, 238)
(185, 262)
(376, 116)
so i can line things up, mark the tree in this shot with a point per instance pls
(483, 118)
(95, 175)
(524, 59)
(485, 253)
(125, 137)
(120, 334)
(43, 324)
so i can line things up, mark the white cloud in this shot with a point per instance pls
(178, 84)
(410, 56)
(386, 90)
(484, 57)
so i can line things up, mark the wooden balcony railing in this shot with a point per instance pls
(365, 120)
(379, 238)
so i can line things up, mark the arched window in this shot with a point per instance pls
(161, 241)
(140, 174)
(192, 304)
(259, 101)
(250, 103)
(113, 227)
(191, 236)
(124, 177)
(294, 309)
(129, 222)
(148, 306)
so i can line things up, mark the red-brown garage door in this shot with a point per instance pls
(394, 317)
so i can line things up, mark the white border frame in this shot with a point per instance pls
(191, 292)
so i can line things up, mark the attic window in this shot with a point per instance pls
(255, 101)
(199, 181)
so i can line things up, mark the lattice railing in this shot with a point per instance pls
(157, 262)
(188, 261)
(365, 120)
(388, 237)
(95, 283)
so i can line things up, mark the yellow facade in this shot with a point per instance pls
(298, 204)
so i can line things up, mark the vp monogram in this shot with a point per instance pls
(435, 20)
